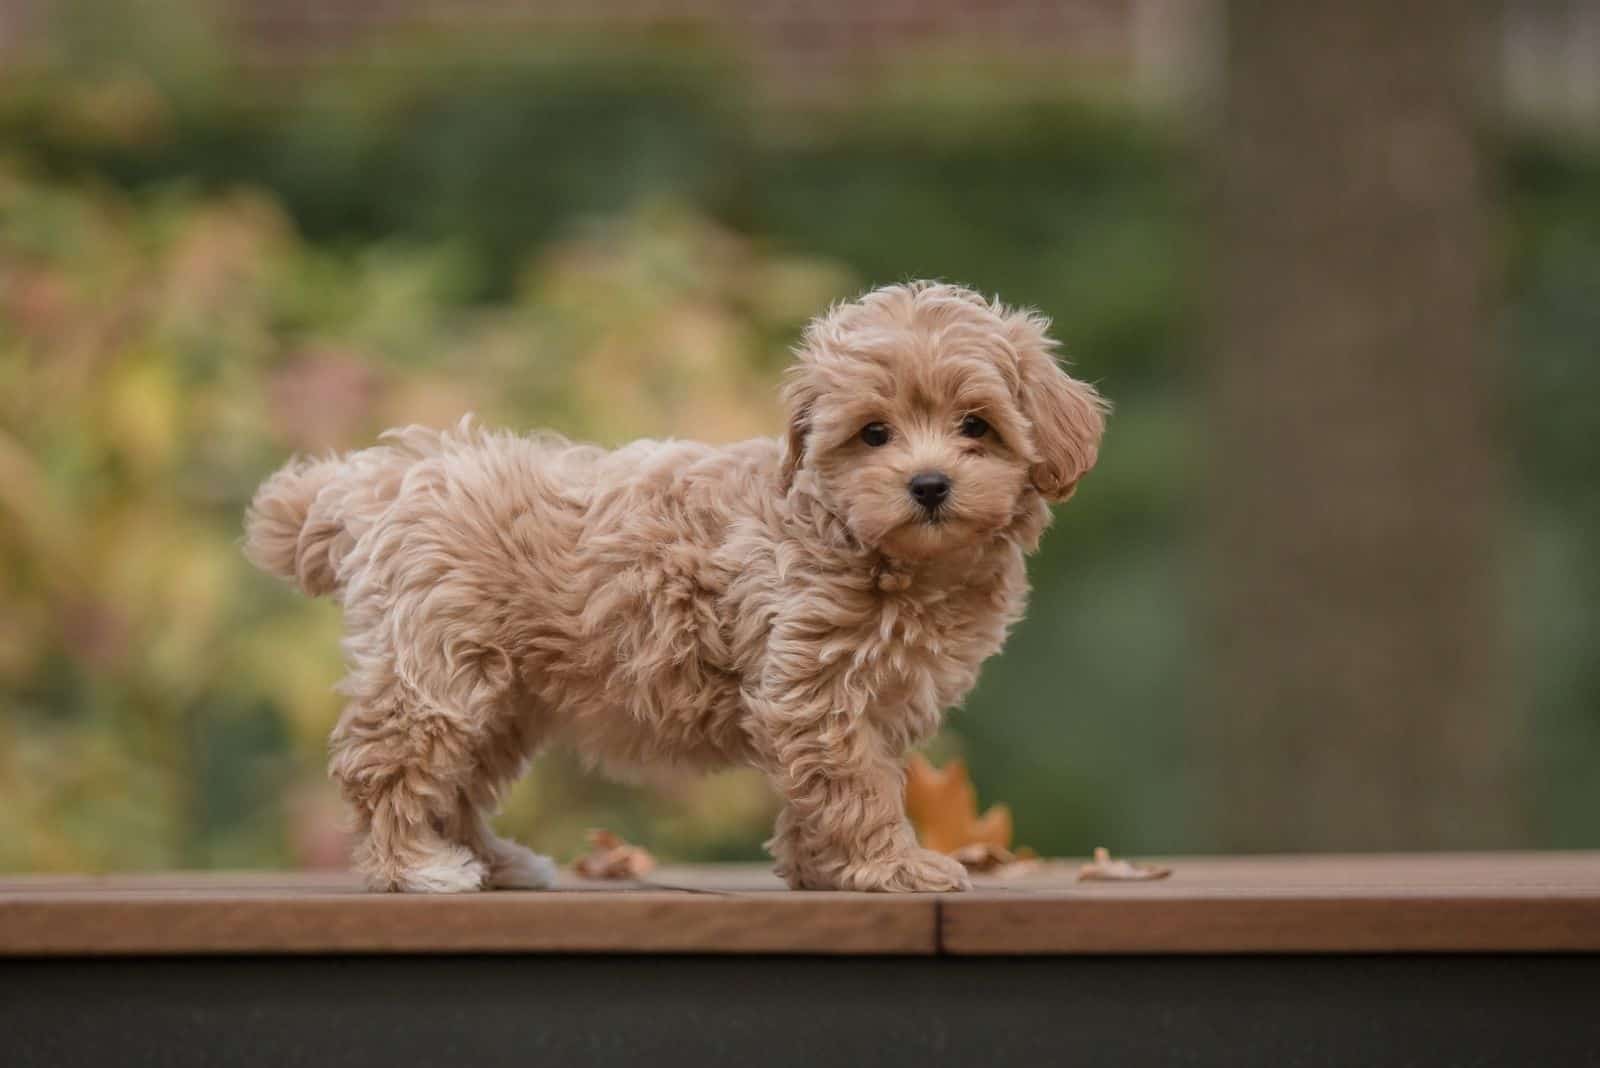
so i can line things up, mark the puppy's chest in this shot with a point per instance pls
(926, 652)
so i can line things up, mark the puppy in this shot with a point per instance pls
(807, 605)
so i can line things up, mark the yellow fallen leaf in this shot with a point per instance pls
(610, 857)
(1104, 869)
(943, 807)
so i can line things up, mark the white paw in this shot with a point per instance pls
(915, 871)
(455, 871)
(518, 868)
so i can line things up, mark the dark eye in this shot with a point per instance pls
(875, 434)
(973, 427)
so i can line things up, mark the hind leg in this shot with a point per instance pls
(424, 784)
(511, 865)
(502, 756)
(400, 770)
(433, 730)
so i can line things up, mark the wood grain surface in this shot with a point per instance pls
(1510, 902)
(1544, 902)
(194, 913)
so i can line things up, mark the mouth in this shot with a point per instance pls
(926, 535)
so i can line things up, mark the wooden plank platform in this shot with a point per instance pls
(1460, 903)
(1230, 963)
(685, 911)
(1456, 903)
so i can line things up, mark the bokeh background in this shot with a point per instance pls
(1335, 584)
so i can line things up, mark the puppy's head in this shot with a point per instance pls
(927, 418)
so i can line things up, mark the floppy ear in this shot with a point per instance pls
(1068, 416)
(797, 399)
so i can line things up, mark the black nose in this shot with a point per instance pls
(930, 489)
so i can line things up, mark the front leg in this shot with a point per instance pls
(843, 825)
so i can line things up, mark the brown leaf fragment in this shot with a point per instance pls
(1104, 869)
(983, 856)
(943, 806)
(1018, 868)
(610, 857)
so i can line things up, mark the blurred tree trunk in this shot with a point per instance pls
(1358, 650)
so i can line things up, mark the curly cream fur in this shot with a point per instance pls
(784, 604)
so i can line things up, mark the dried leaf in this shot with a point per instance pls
(610, 857)
(1104, 869)
(983, 857)
(943, 807)
(1018, 868)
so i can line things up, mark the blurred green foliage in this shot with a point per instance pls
(201, 272)
(1551, 333)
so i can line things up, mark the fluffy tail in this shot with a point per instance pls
(294, 530)
(307, 518)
